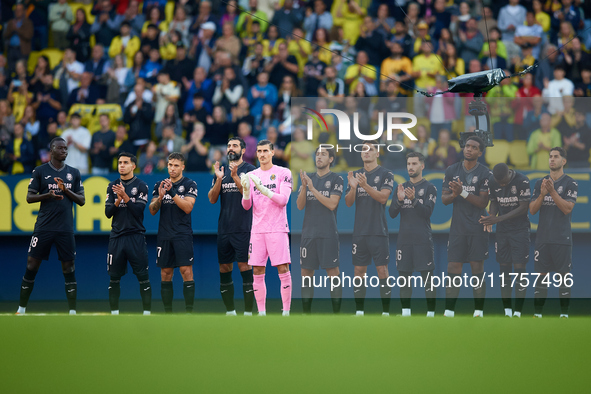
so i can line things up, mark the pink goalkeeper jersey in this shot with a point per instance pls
(267, 215)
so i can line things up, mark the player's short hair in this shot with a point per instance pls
(53, 141)
(477, 139)
(177, 156)
(127, 154)
(416, 154)
(265, 142)
(374, 143)
(242, 143)
(331, 153)
(560, 150)
(500, 171)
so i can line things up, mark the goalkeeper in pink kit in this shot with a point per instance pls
(267, 190)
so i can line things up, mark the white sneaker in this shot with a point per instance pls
(147, 313)
(262, 313)
(478, 313)
(115, 312)
(285, 313)
(247, 313)
(385, 314)
(231, 313)
(72, 311)
(359, 313)
(563, 316)
(431, 314)
(405, 312)
(20, 311)
(448, 313)
(538, 315)
(516, 314)
(508, 312)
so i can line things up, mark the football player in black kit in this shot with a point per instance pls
(369, 189)
(127, 198)
(320, 194)
(554, 197)
(509, 199)
(175, 197)
(414, 201)
(466, 187)
(57, 186)
(233, 226)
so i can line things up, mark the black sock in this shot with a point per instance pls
(27, 287)
(506, 288)
(307, 294)
(430, 293)
(451, 292)
(520, 290)
(189, 294)
(145, 292)
(564, 298)
(167, 294)
(479, 292)
(227, 290)
(385, 295)
(247, 290)
(336, 296)
(406, 290)
(540, 294)
(71, 289)
(114, 293)
(359, 292)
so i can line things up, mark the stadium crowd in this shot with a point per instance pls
(153, 77)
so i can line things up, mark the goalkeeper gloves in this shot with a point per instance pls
(245, 181)
(259, 185)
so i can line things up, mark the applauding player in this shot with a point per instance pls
(176, 196)
(509, 199)
(320, 194)
(233, 226)
(414, 201)
(369, 189)
(126, 200)
(466, 187)
(267, 190)
(554, 197)
(55, 221)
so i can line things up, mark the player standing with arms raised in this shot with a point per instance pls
(269, 234)
(126, 201)
(233, 226)
(369, 189)
(509, 199)
(175, 196)
(320, 194)
(554, 197)
(55, 221)
(466, 187)
(414, 201)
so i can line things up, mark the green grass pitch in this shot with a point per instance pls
(209, 353)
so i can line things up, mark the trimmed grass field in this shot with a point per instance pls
(208, 353)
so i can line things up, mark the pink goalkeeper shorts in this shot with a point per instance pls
(268, 245)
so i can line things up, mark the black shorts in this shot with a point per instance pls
(553, 258)
(318, 253)
(411, 258)
(366, 247)
(512, 248)
(41, 242)
(132, 248)
(173, 253)
(233, 247)
(467, 248)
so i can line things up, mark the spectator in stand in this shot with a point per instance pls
(241, 113)
(443, 154)
(107, 23)
(47, 102)
(139, 116)
(122, 144)
(165, 92)
(151, 40)
(287, 90)
(180, 67)
(396, 66)
(79, 36)
(20, 152)
(151, 68)
(87, 93)
(530, 33)
(18, 35)
(424, 143)
(217, 129)
(228, 42)
(3, 86)
(78, 139)
(510, 17)
(181, 23)
(102, 142)
(19, 99)
(149, 160)
(278, 144)
(147, 94)
(332, 86)
(6, 123)
(202, 46)
(154, 18)
(119, 82)
(401, 36)
(568, 13)
(471, 41)
(300, 154)
(170, 119)
(283, 64)
(349, 15)
(583, 88)
(171, 142)
(272, 41)
(196, 151)
(287, 18)
(262, 93)
(541, 141)
(135, 19)
(556, 89)
(197, 114)
(493, 60)
(245, 132)
(384, 22)
(97, 65)
(362, 72)
(265, 120)
(60, 16)
(577, 141)
(231, 14)
(546, 66)
(255, 64)
(319, 18)
(31, 124)
(575, 59)
(372, 42)
(245, 19)
(313, 74)
(227, 91)
(125, 43)
(45, 141)
(202, 85)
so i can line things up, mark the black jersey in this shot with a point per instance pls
(173, 220)
(55, 215)
(508, 199)
(128, 218)
(554, 227)
(370, 215)
(233, 217)
(319, 221)
(465, 216)
(415, 215)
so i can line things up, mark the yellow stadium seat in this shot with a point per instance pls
(518, 155)
(169, 11)
(497, 153)
(54, 55)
